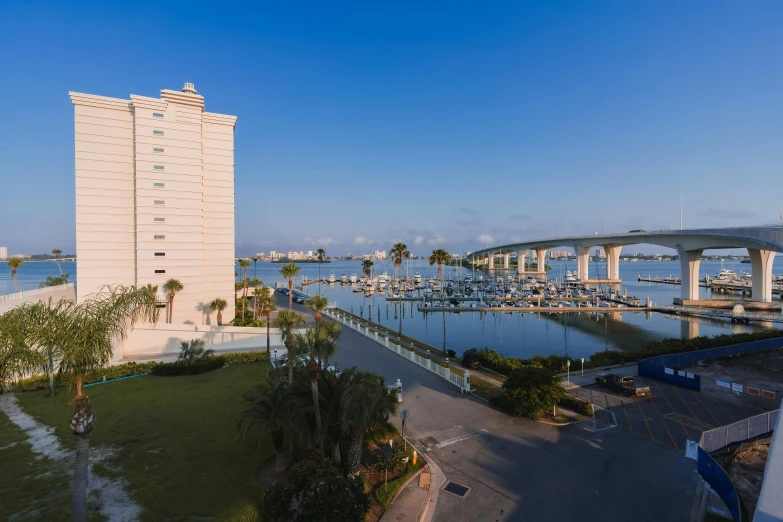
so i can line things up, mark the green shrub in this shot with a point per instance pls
(529, 392)
(579, 406)
(243, 357)
(312, 493)
(40, 382)
(180, 368)
(405, 470)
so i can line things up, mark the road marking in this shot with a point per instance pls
(664, 424)
(687, 421)
(693, 414)
(460, 438)
(663, 394)
(706, 408)
(733, 418)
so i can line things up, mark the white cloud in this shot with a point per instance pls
(361, 240)
(437, 240)
(419, 240)
(486, 238)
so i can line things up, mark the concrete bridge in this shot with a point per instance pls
(761, 242)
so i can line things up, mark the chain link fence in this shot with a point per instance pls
(719, 438)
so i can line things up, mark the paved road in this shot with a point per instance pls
(519, 470)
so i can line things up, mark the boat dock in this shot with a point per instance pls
(697, 311)
(535, 309)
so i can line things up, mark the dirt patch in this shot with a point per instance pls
(746, 469)
(759, 371)
(106, 496)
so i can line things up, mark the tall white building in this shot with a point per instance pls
(3, 252)
(155, 197)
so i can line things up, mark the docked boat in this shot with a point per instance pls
(353, 278)
(332, 279)
(344, 279)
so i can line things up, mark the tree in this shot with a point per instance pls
(86, 333)
(172, 286)
(317, 304)
(287, 322)
(367, 266)
(372, 405)
(192, 351)
(315, 494)
(218, 304)
(244, 264)
(258, 294)
(441, 257)
(320, 255)
(15, 263)
(290, 271)
(56, 252)
(338, 394)
(255, 264)
(399, 253)
(266, 303)
(530, 391)
(16, 357)
(268, 406)
(255, 284)
(54, 281)
(152, 290)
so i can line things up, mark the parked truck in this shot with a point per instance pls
(624, 385)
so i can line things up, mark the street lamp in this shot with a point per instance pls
(681, 194)
(275, 350)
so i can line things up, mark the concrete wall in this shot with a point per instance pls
(56, 293)
(162, 341)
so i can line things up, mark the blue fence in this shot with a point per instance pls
(717, 478)
(666, 367)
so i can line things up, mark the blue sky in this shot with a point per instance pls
(437, 124)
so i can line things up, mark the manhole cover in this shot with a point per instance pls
(457, 489)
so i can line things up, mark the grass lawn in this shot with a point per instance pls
(172, 438)
(32, 487)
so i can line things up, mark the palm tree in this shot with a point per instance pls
(266, 303)
(328, 332)
(269, 406)
(255, 264)
(16, 358)
(152, 290)
(399, 253)
(290, 271)
(172, 286)
(192, 351)
(244, 264)
(15, 263)
(337, 393)
(56, 253)
(87, 332)
(317, 304)
(372, 404)
(367, 266)
(320, 256)
(219, 305)
(237, 288)
(258, 294)
(441, 257)
(287, 322)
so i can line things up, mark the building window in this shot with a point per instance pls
(160, 220)
(157, 167)
(160, 254)
(159, 202)
(157, 115)
(157, 149)
(157, 132)
(160, 185)
(160, 237)
(160, 271)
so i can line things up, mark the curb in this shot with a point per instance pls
(438, 479)
(405, 484)
(578, 417)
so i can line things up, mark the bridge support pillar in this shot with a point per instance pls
(761, 274)
(492, 261)
(541, 259)
(582, 261)
(506, 260)
(520, 262)
(612, 261)
(690, 260)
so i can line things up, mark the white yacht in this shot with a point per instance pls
(353, 278)
(417, 279)
(332, 279)
(344, 279)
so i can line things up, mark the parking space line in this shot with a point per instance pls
(693, 414)
(733, 418)
(664, 424)
(644, 418)
(684, 427)
(717, 422)
(627, 418)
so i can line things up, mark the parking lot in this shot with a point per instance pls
(669, 415)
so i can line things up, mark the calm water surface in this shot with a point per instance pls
(518, 334)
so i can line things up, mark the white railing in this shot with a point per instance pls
(37, 291)
(719, 438)
(383, 339)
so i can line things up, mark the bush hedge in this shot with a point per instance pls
(529, 392)
(180, 368)
(41, 382)
(557, 363)
(578, 405)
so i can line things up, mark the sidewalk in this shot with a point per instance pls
(416, 500)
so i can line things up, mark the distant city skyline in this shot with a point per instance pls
(361, 125)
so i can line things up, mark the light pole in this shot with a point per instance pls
(681, 194)
(568, 364)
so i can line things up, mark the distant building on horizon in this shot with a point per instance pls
(155, 197)
(3, 253)
(379, 254)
